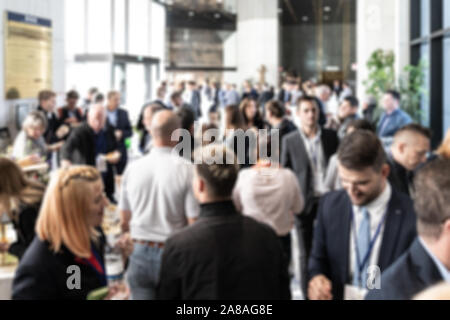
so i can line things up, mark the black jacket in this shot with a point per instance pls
(399, 177)
(24, 227)
(412, 273)
(53, 124)
(43, 275)
(80, 149)
(224, 256)
(123, 124)
(330, 254)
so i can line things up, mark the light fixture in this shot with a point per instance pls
(327, 9)
(305, 18)
(191, 13)
(217, 15)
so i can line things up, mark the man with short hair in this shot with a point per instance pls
(224, 255)
(348, 111)
(156, 200)
(119, 122)
(89, 144)
(408, 151)
(427, 262)
(392, 119)
(47, 103)
(276, 117)
(307, 152)
(361, 230)
(71, 114)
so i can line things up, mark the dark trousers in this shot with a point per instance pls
(304, 224)
(286, 246)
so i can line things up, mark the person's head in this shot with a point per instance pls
(215, 181)
(444, 149)
(247, 85)
(362, 167)
(187, 119)
(349, 107)
(161, 93)
(323, 92)
(113, 100)
(176, 99)
(360, 124)
(92, 93)
(432, 201)
(34, 125)
(99, 99)
(97, 118)
(47, 100)
(191, 85)
(308, 112)
(249, 110)
(71, 210)
(206, 140)
(233, 118)
(149, 111)
(411, 145)
(72, 99)
(275, 111)
(164, 124)
(391, 100)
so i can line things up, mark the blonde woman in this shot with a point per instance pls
(20, 199)
(68, 250)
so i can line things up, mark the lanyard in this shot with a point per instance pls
(360, 263)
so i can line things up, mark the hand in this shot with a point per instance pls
(65, 164)
(125, 244)
(56, 146)
(118, 134)
(320, 288)
(118, 291)
(29, 161)
(62, 131)
(114, 157)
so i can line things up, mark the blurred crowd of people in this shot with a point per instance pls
(357, 180)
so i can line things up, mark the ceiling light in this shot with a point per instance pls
(327, 9)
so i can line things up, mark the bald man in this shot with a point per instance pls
(409, 150)
(89, 144)
(156, 200)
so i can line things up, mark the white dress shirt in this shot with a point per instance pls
(377, 210)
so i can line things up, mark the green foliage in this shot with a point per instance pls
(410, 83)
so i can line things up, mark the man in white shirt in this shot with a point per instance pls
(361, 230)
(156, 200)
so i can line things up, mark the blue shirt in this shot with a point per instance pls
(112, 117)
(445, 273)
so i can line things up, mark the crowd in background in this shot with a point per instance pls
(356, 179)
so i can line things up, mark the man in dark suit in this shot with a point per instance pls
(276, 117)
(193, 99)
(71, 114)
(89, 143)
(361, 230)
(408, 151)
(307, 152)
(118, 121)
(427, 261)
(224, 255)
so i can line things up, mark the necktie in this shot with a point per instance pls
(363, 243)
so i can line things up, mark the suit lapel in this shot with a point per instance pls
(391, 231)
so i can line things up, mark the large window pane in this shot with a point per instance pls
(446, 11)
(446, 84)
(425, 17)
(139, 25)
(99, 24)
(119, 26)
(425, 101)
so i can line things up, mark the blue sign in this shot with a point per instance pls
(29, 19)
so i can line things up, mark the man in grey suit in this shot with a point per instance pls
(307, 152)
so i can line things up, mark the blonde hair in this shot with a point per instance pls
(15, 188)
(444, 149)
(63, 219)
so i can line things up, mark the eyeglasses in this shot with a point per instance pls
(83, 173)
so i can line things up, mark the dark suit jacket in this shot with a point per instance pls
(398, 176)
(80, 149)
(224, 256)
(412, 273)
(195, 104)
(43, 275)
(295, 157)
(123, 124)
(330, 255)
(53, 124)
